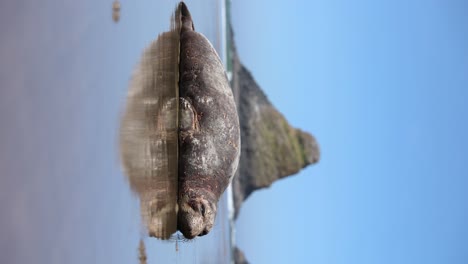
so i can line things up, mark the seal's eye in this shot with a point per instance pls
(202, 209)
(193, 205)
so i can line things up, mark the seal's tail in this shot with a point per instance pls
(186, 17)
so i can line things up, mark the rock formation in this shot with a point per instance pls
(239, 257)
(271, 149)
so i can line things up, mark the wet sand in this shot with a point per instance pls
(64, 78)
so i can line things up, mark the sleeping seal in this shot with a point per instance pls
(209, 135)
(179, 135)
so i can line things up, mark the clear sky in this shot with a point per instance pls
(383, 87)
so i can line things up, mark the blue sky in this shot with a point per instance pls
(382, 85)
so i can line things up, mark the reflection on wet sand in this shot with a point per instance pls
(148, 138)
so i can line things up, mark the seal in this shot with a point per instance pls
(179, 135)
(209, 133)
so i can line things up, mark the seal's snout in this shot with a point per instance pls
(204, 232)
(196, 217)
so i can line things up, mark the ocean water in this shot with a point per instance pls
(64, 76)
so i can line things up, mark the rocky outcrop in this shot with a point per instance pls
(271, 149)
(239, 257)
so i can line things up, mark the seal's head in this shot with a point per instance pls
(196, 215)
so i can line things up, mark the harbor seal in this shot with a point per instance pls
(209, 133)
(179, 135)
